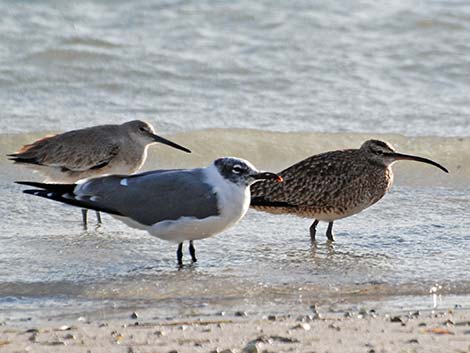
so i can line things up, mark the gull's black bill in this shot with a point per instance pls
(268, 175)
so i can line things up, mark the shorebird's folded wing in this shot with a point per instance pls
(72, 151)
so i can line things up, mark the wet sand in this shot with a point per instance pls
(316, 330)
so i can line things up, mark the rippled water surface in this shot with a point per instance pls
(307, 77)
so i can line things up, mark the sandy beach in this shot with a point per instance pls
(317, 330)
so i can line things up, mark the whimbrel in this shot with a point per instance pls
(333, 185)
(175, 205)
(91, 152)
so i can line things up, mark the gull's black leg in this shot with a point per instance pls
(313, 229)
(192, 251)
(84, 218)
(179, 254)
(329, 232)
(98, 217)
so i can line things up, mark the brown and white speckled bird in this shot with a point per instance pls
(332, 185)
(91, 152)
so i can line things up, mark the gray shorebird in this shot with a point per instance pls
(91, 152)
(175, 205)
(333, 185)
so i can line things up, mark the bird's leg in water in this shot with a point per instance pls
(179, 254)
(84, 218)
(192, 251)
(98, 217)
(313, 229)
(329, 232)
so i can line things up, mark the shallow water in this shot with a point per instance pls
(415, 237)
(273, 83)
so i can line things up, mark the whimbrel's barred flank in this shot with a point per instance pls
(332, 185)
(91, 152)
(174, 205)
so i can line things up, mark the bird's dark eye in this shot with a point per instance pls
(380, 153)
(143, 129)
(237, 169)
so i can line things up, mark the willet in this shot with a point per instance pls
(333, 185)
(174, 205)
(91, 152)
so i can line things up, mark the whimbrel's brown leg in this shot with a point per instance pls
(98, 217)
(329, 232)
(84, 218)
(179, 254)
(192, 251)
(313, 229)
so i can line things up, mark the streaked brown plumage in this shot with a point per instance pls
(332, 185)
(91, 152)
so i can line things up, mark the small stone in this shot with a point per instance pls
(448, 323)
(33, 337)
(422, 324)
(303, 326)
(413, 340)
(104, 324)
(183, 327)
(396, 319)
(55, 343)
(134, 316)
(284, 339)
(251, 348)
(159, 333)
(69, 336)
(221, 313)
(32, 330)
(227, 351)
(173, 351)
(415, 314)
(64, 328)
(348, 314)
(334, 327)
(81, 319)
(241, 313)
(272, 317)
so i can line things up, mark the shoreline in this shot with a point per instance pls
(305, 328)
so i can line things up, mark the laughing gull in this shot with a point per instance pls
(174, 205)
(333, 185)
(91, 152)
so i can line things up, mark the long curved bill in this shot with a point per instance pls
(400, 156)
(268, 175)
(160, 139)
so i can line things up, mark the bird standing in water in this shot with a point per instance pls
(175, 205)
(332, 185)
(91, 152)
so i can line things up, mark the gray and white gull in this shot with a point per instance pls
(176, 205)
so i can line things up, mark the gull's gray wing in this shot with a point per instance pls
(152, 197)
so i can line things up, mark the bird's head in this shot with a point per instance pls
(383, 153)
(242, 172)
(144, 134)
